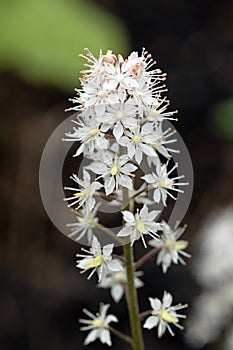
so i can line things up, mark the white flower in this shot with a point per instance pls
(138, 141)
(89, 134)
(163, 314)
(117, 280)
(140, 66)
(171, 248)
(160, 142)
(162, 183)
(119, 116)
(144, 95)
(140, 224)
(157, 113)
(86, 222)
(94, 65)
(98, 325)
(118, 76)
(98, 259)
(115, 171)
(84, 195)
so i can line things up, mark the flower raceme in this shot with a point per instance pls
(119, 125)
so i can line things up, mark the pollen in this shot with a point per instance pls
(97, 323)
(168, 317)
(97, 261)
(82, 194)
(93, 132)
(136, 139)
(163, 183)
(181, 245)
(141, 227)
(114, 170)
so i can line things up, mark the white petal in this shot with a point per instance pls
(91, 337)
(138, 156)
(102, 142)
(131, 150)
(148, 150)
(128, 216)
(151, 322)
(113, 98)
(98, 168)
(149, 178)
(105, 337)
(100, 109)
(79, 150)
(126, 231)
(126, 181)
(128, 168)
(167, 299)
(152, 215)
(144, 212)
(117, 292)
(114, 265)
(161, 328)
(123, 141)
(90, 203)
(107, 249)
(110, 318)
(157, 195)
(109, 185)
(118, 130)
(155, 304)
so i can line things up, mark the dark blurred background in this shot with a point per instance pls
(41, 292)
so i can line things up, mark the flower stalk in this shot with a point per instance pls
(132, 299)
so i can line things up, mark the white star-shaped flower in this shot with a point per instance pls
(89, 134)
(85, 194)
(98, 259)
(139, 225)
(138, 141)
(163, 314)
(171, 247)
(118, 76)
(98, 325)
(118, 117)
(115, 171)
(116, 280)
(86, 222)
(163, 184)
(158, 113)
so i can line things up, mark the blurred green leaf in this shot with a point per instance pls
(222, 118)
(41, 39)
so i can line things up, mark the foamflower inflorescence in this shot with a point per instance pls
(119, 128)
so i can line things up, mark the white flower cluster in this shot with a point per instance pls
(119, 124)
(212, 311)
(121, 112)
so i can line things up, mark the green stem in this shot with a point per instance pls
(137, 342)
(132, 299)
